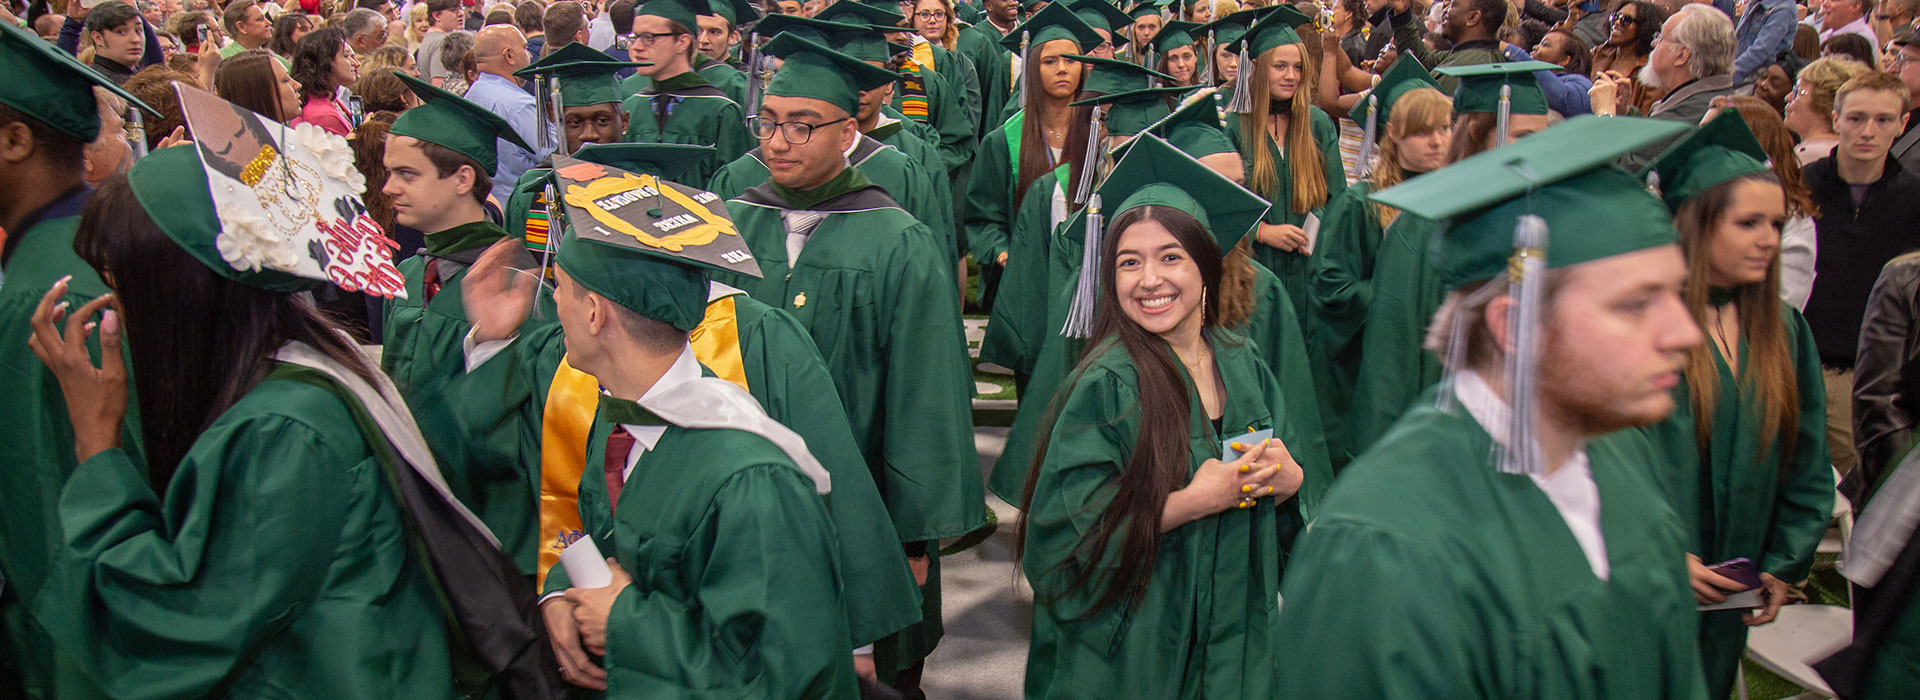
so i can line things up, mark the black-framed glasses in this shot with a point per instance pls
(929, 15)
(795, 132)
(1625, 19)
(646, 39)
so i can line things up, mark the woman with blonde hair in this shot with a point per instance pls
(1289, 145)
(417, 26)
(1809, 111)
(934, 20)
(1416, 135)
(1747, 466)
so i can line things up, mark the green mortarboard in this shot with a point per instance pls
(1195, 127)
(1479, 90)
(1148, 8)
(1102, 15)
(53, 87)
(1563, 175)
(644, 243)
(1226, 31)
(735, 12)
(171, 185)
(813, 70)
(1275, 29)
(587, 77)
(1175, 34)
(850, 12)
(816, 29)
(1028, 4)
(450, 120)
(1052, 23)
(1111, 76)
(677, 162)
(1132, 111)
(1719, 151)
(1190, 4)
(682, 11)
(1405, 76)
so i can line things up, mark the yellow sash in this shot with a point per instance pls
(567, 419)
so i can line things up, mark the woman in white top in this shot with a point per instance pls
(1809, 110)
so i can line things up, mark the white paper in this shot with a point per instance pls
(1745, 600)
(585, 567)
(1312, 228)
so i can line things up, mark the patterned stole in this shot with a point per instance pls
(913, 84)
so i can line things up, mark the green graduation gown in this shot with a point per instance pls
(1406, 293)
(1206, 625)
(1341, 288)
(696, 112)
(277, 565)
(1293, 269)
(729, 78)
(872, 288)
(1431, 575)
(1015, 325)
(980, 43)
(37, 455)
(502, 405)
(1738, 501)
(922, 192)
(736, 591)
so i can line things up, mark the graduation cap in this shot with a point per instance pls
(1720, 151)
(1274, 29)
(678, 162)
(1128, 95)
(683, 12)
(171, 184)
(1561, 179)
(735, 12)
(1149, 8)
(1173, 35)
(450, 120)
(850, 12)
(857, 39)
(1052, 23)
(585, 76)
(1482, 86)
(815, 71)
(645, 243)
(1194, 127)
(1146, 177)
(1226, 31)
(53, 87)
(1103, 16)
(1405, 76)
(1111, 76)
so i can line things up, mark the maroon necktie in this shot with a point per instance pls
(619, 445)
(431, 281)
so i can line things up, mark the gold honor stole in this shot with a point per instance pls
(567, 419)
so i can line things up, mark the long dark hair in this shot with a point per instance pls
(283, 28)
(313, 62)
(199, 341)
(247, 80)
(1649, 17)
(1159, 464)
(1034, 158)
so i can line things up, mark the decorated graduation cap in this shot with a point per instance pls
(1146, 176)
(1052, 23)
(450, 120)
(815, 71)
(584, 76)
(172, 186)
(645, 243)
(1560, 179)
(1103, 16)
(52, 87)
(678, 162)
(681, 11)
(1405, 76)
(735, 12)
(1720, 151)
(1502, 89)
(1274, 29)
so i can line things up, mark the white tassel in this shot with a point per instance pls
(1242, 82)
(543, 104)
(1370, 136)
(1090, 159)
(1080, 313)
(1502, 116)
(1527, 284)
(1025, 36)
(1456, 360)
(137, 132)
(551, 131)
(756, 82)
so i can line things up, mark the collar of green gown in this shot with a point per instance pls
(624, 412)
(1721, 296)
(478, 234)
(682, 81)
(850, 179)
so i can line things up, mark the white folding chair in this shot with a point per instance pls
(1803, 634)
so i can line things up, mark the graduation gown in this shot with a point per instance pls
(509, 408)
(1406, 294)
(1738, 501)
(1206, 625)
(730, 79)
(919, 190)
(736, 591)
(1341, 288)
(37, 455)
(1016, 326)
(1431, 575)
(871, 286)
(279, 564)
(1293, 269)
(993, 63)
(696, 112)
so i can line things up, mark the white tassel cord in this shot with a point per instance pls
(1527, 283)
(1367, 139)
(1242, 99)
(754, 78)
(1503, 116)
(543, 103)
(1080, 313)
(1022, 77)
(1090, 158)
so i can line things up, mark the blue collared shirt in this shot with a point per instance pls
(507, 99)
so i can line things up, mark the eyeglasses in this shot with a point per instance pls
(1900, 59)
(647, 38)
(929, 15)
(797, 133)
(1625, 20)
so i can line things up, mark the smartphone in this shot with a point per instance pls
(203, 32)
(357, 110)
(1741, 570)
(620, 42)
